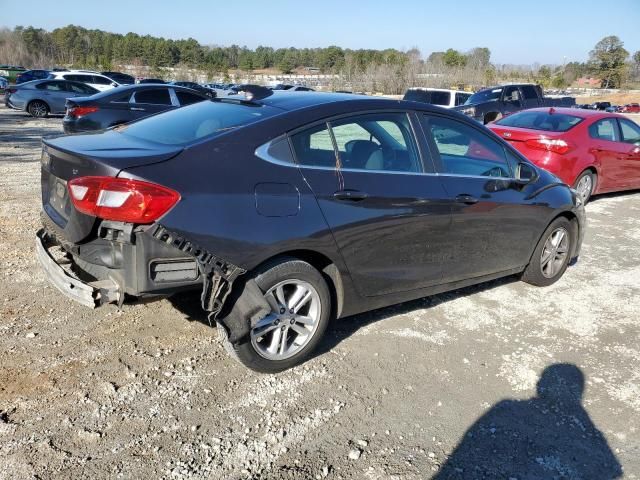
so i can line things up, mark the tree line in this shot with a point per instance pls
(388, 70)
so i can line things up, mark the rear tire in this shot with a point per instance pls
(301, 308)
(552, 254)
(38, 109)
(586, 184)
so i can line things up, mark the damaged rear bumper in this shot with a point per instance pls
(90, 294)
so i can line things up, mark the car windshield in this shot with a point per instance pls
(482, 96)
(188, 124)
(547, 121)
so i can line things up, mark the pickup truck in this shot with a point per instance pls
(492, 103)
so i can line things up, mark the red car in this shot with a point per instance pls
(594, 151)
(631, 108)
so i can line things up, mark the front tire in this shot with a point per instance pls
(300, 311)
(38, 109)
(552, 254)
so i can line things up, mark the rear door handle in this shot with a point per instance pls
(138, 109)
(350, 195)
(465, 198)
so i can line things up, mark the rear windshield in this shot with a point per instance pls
(417, 96)
(188, 124)
(482, 96)
(549, 122)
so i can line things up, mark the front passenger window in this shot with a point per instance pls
(463, 150)
(630, 131)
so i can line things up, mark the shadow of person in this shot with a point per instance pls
(549, 436)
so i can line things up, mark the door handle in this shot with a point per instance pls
(350, 195)
(465, 198)
(137, 109)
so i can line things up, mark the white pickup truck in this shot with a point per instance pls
(437, 96)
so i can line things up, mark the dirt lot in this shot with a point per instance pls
(620, 98)
(148, 392)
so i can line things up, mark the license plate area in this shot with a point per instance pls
(59, 196)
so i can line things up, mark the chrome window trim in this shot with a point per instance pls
(262, 152)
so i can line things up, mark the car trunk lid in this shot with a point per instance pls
(68, 157)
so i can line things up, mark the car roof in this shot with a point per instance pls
(296, 100)
(429, 89)
(143, 86)
(576, 112)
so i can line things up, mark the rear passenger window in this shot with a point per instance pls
(461, 98)
(99, 80)
(186, 98)
(52, 86)
(80, 88)
(630, 131)
(156, 96)
(314, 147)
(376, 142)
(440, 98)
(604, 130)
(529, 92)
(463, 150)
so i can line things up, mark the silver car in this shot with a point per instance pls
(41, 97)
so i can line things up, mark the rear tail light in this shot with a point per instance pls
(76, 111)
(121, 199)
(11, 90)
(548, 144)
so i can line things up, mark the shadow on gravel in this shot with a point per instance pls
(345, 327)
(549, 436)
(188, 304)
(604, 196)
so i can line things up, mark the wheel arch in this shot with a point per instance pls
(595, 169)
(321, 262)
(573, 220)
(37, 100)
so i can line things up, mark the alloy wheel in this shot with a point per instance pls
(554, 252)
(292, 322)
(585, 186)
(38, 109)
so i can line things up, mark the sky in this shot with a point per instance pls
(516, 31)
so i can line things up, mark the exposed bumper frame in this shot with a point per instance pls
(88, 294)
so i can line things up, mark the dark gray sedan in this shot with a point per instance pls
(41, 97)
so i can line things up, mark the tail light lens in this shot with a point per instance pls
(77, 111)
(121, 199)
(550, 145)
(11, 90)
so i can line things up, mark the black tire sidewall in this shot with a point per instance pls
(270, 276)
(533, 272)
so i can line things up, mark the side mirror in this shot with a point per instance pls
(114, 84)
(526, 173)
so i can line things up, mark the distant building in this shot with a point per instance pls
(588, 82)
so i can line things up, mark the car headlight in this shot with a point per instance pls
(470, 111)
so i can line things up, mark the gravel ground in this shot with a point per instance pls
(444, 384)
